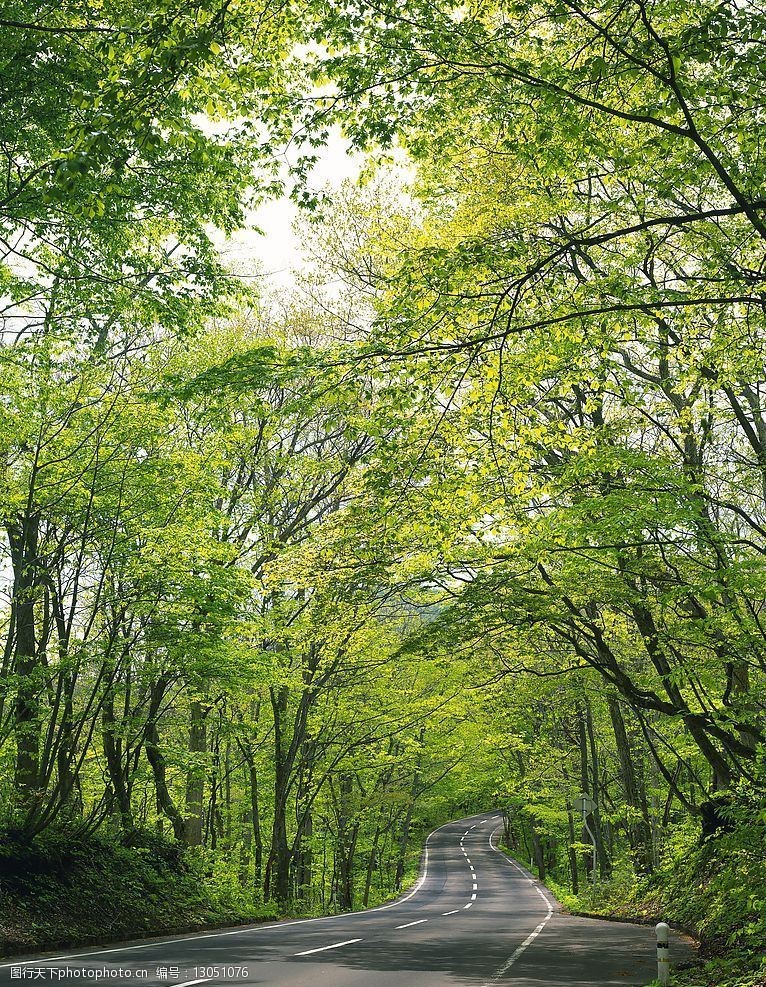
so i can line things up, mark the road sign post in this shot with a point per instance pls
(585, 805)
(663, 953)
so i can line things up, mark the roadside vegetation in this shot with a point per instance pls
(699, 890)
(474, 514)
(67, 891)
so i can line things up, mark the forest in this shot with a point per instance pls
(470, 516)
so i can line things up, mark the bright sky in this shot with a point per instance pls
(277, 253)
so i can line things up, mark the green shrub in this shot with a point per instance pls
(64, 889)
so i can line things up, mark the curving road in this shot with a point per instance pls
(475, 918)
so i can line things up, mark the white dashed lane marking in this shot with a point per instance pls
(407, 925)
(453, 912)
(321, 949)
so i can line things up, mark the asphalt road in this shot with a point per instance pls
(475, 918)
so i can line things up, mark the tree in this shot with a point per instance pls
(127, 134)
(585, 270)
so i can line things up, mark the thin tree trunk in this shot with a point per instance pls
(370, 870)
(256, 819)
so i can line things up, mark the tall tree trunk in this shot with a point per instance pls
(537, 848)
(227, 791)
(68, 781)
(277, 877)
(156, 759)
(405, 834)
(195, 776)
(302, 844)
(604, 863)
(23, 538)
(348, 830)
(639, 831)
(255, 813)
(113, 753)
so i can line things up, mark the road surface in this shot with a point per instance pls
(475, 918)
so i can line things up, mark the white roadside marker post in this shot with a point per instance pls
(663, 953)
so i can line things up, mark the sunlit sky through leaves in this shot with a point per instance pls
(276, 254)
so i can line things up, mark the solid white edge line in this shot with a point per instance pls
(41, 960)
(535, 932)
(334, 945)
(408, 925)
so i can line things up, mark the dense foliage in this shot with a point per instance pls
(287, 581)
(67, 889)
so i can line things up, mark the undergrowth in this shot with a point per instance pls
(714, 888)
(60, 890)
(64, 889)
